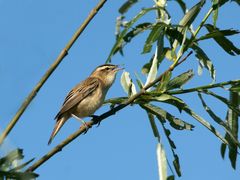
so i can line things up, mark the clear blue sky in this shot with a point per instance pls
(33, 33)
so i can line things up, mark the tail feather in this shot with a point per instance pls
(58, 125)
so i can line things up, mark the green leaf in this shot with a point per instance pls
(162, 85)
(174, 122)
(176, 165)
(154, 35)
(168, 133)
(114, 101)
(147, 66)
(222, 2)
(127, 84)
(218, 120)
(153, 70)
(153, 125)
(232, 120)
(19, 167)
(205, 123)
(180, 80)
(126, 6)
(162, 162)
(9, 170)
(136, 30)
(223, 149)
(182, 5)
(222, 41)
(190, 16)
(171, 177)
(215, 5)
(235, 88)
(204, 61)
(10, 157)
(224, 100)
(119, 42)
(173, 147)
(169, 99)
(218, 33)
(18, 175)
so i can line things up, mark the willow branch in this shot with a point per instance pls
(97, 120)
(201, 88)
(48, 73)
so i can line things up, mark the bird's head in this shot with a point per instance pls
(107, 73)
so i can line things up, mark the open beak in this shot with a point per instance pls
(118, 68)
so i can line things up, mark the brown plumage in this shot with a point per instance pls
(86, 97)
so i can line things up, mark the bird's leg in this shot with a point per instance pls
(96, 116)
(82, 121)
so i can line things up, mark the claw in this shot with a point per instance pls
(95, 116)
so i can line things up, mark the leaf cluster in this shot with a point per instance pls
(10, 168)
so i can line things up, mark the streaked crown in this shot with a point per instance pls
(106, 72)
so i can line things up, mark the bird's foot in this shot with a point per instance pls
(98, 122)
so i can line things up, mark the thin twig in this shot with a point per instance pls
(98, 119)
(200, 88)
(59, 59)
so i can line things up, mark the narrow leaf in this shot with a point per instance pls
(173, 147)
(169, 99)
(222, 41)
(235, 88)
(119, 42)
(162, 162)
(136, 30)
(173, 121)
(190, 16)
(162, 85)
(180, 80)
(153, 70)
(22, 165)
(126, 6)
(204, 61)
(215, 5)
(176, 165)
(218, 120)
(205, 123)
(114, 101)
(232, 120)
(224, 100)
(153, 126)
(171, 177)
(153, 36)
(127, 84)
(11, 156)
(218, 34)
(182, 5)
(223, 149)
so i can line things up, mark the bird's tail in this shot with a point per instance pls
(60, 122)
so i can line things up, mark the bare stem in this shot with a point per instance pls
(48, 73)
(98, 119)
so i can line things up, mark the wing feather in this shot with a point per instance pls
(77, 94)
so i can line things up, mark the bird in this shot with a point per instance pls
(86, 97)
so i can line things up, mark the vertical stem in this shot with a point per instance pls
(59, 59)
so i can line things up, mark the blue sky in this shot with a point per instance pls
(33, 33)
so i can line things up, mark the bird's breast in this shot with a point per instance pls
(91, 103)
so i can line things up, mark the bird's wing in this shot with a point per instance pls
(77, 94)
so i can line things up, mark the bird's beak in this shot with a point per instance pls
(118, 68)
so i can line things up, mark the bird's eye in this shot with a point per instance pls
(107, 68)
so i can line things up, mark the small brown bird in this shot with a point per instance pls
(86, 97)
